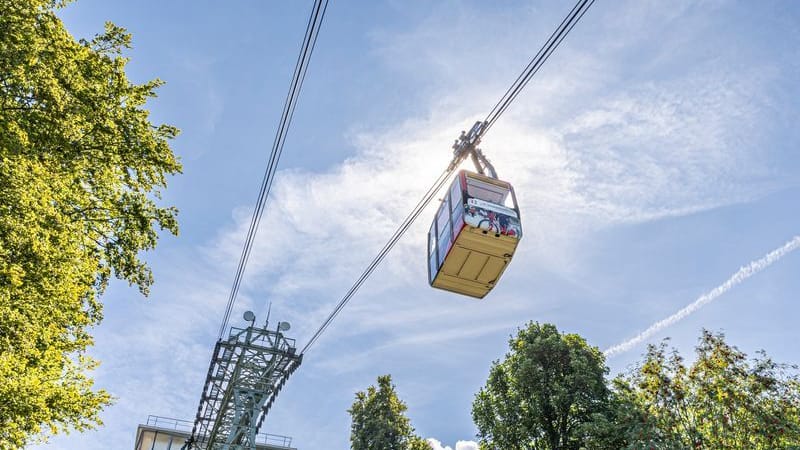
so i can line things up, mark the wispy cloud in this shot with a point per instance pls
(612, 131)
(741, 275)
(635, 152)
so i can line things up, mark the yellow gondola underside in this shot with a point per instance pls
(475, 262)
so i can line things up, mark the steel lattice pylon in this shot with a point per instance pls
(247, 371)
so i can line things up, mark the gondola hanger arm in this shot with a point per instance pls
(467, 146)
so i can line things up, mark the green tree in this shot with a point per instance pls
(546, 394)
(81, 166)
(721, 401)
(379, 421)
(417, 443)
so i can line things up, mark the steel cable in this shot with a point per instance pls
(409, 220)
(522, 80)
(538, 60)
(304, 57)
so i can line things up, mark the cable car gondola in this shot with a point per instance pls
(474, 235)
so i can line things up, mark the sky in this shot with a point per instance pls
(653, 155)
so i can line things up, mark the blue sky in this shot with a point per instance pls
(654, 154)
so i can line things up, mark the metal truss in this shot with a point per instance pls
(247, 371)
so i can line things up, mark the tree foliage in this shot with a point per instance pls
(550, 393)
(379, 421)
(545, 394)
(722, 401)
(81, 166)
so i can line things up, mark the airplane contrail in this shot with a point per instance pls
(743, 274)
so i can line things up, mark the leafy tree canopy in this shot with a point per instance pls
(544, 394)
(379, 421)
(550, 393)
(721, 401)
(81, 166)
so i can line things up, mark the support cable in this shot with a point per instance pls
(538, 60)
(309, 42)
(440, 181)
(522, 80)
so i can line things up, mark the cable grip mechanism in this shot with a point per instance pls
(467, 145)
